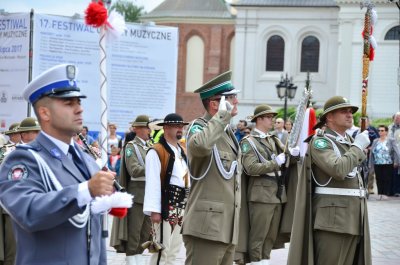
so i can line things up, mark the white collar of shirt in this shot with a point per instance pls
(262, 134)
(341, 139)
(141, 140)
(60, 144)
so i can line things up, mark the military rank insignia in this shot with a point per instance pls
(18, 172)
(245, 147)
(128, 152)
(321, 143)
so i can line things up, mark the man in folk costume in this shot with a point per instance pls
(211, 227)
(167, 188)
(330, 224)
(128, 234)
(262, 158)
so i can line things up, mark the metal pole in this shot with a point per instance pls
(285, 107)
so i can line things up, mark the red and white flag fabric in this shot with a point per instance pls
(310, 120)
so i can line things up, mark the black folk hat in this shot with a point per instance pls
(172, 119)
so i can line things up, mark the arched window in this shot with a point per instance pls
(275, 53)
(194, 63)
(393, 33)
(309, 54)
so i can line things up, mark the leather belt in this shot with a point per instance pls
(339, 191)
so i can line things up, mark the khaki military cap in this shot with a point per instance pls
(141, 121)
(261, 110)
(220, 85)
(29, 124)
(335, 103)
(13, 129)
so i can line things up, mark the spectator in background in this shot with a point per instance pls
(288, 125)
(239, 133)
(394, 132)
(279, 131)
(352, 129)
(384, 157)
(84, 132)
(247, 131)
(114, 160)
(113, 137)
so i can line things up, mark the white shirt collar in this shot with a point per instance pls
(262, 134)
(141, 140)
(60, 144)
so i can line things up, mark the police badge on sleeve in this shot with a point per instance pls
(18, 172)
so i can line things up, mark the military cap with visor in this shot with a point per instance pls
(12, 129)
(220, 85)
(29, 124)
(141, 121)
(262, 110)
(57, 82)
(172, 119)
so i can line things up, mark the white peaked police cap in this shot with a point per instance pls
(57, 82)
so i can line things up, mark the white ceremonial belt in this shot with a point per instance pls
(272, 174)
(339, 191)
(138, 179)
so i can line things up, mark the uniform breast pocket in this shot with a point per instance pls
(331, 214)
(208, 217)
(226, 159)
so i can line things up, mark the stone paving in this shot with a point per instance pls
(384, 220)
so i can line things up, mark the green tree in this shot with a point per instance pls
(128, 10)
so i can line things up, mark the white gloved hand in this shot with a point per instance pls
(280, 159)
(295, 151)
(362, 140)
(225, 105)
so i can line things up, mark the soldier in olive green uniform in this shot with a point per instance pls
(129, 233)
(28, 130)
(14, 139)
(7, 241)
(262, 158)
(210, 226)
(331, 221)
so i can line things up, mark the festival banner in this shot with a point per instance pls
(14, 67)
(141, 66)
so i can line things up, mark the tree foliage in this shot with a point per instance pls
(128, 10)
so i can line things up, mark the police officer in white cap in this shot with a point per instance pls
(47, 185)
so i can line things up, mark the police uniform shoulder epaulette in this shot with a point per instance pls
(28, 146)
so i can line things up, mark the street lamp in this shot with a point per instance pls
(286, 89)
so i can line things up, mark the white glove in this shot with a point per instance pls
(280, 159)
(225, 105)
(295, 151)
(362, 140)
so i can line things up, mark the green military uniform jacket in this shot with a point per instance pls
(132, 176)
(334, 213)
(4, 151)
(212, 212)
(262, 186)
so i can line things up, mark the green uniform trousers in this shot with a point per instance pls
(264, 228)
(139, 229)
(10, 247)
(334, 248)
(202, 251)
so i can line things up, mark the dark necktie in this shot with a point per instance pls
(78, 162)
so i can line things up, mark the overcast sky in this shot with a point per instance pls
(62, 7)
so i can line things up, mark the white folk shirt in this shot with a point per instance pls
(152, 195)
